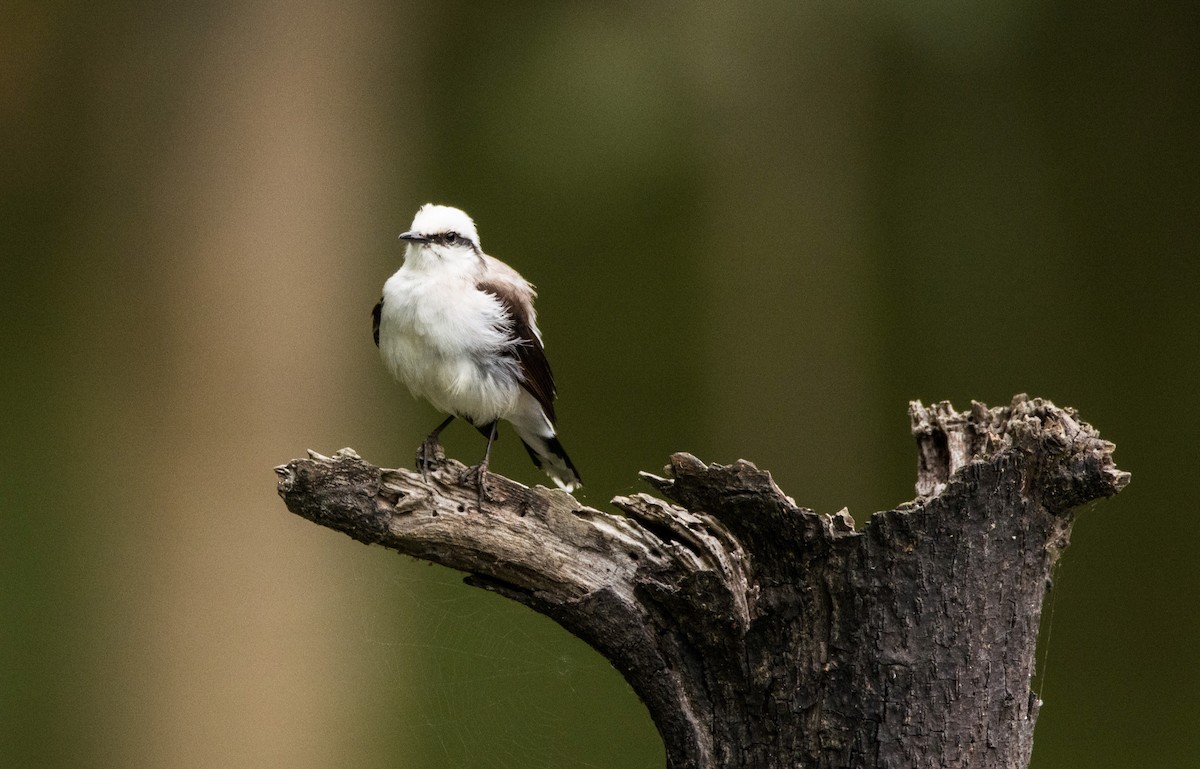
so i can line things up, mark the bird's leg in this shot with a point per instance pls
(428, 451)
(483, 466)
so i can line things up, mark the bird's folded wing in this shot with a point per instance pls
(536, 376)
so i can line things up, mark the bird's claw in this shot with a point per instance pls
(480, 472)
(429, 454)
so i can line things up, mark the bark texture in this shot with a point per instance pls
(761, 634)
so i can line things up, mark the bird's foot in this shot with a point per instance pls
(429, 455)
(480, 472)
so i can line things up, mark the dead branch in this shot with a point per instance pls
(761, 634)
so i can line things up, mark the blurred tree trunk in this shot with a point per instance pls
(211, 203)
(761, 634)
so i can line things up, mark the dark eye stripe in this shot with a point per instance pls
(451, 238)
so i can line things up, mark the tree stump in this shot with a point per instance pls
(758, 633)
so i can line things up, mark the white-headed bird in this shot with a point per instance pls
(458, 328)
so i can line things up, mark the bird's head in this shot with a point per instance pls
(442, 232)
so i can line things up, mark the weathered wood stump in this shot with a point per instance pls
(761, 634)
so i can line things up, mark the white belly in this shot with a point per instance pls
(441, 339)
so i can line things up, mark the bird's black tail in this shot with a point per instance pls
(550, 456)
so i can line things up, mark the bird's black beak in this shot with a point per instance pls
(414, 237)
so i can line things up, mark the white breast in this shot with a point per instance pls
(445, 340)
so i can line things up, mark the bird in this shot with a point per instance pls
(459, 329)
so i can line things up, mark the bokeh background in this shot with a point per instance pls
(759, 230)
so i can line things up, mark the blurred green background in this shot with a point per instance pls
(759, 230)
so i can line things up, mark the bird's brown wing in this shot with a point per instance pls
(536, 376)
(375, 320)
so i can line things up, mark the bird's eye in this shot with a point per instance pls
(451, 238)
